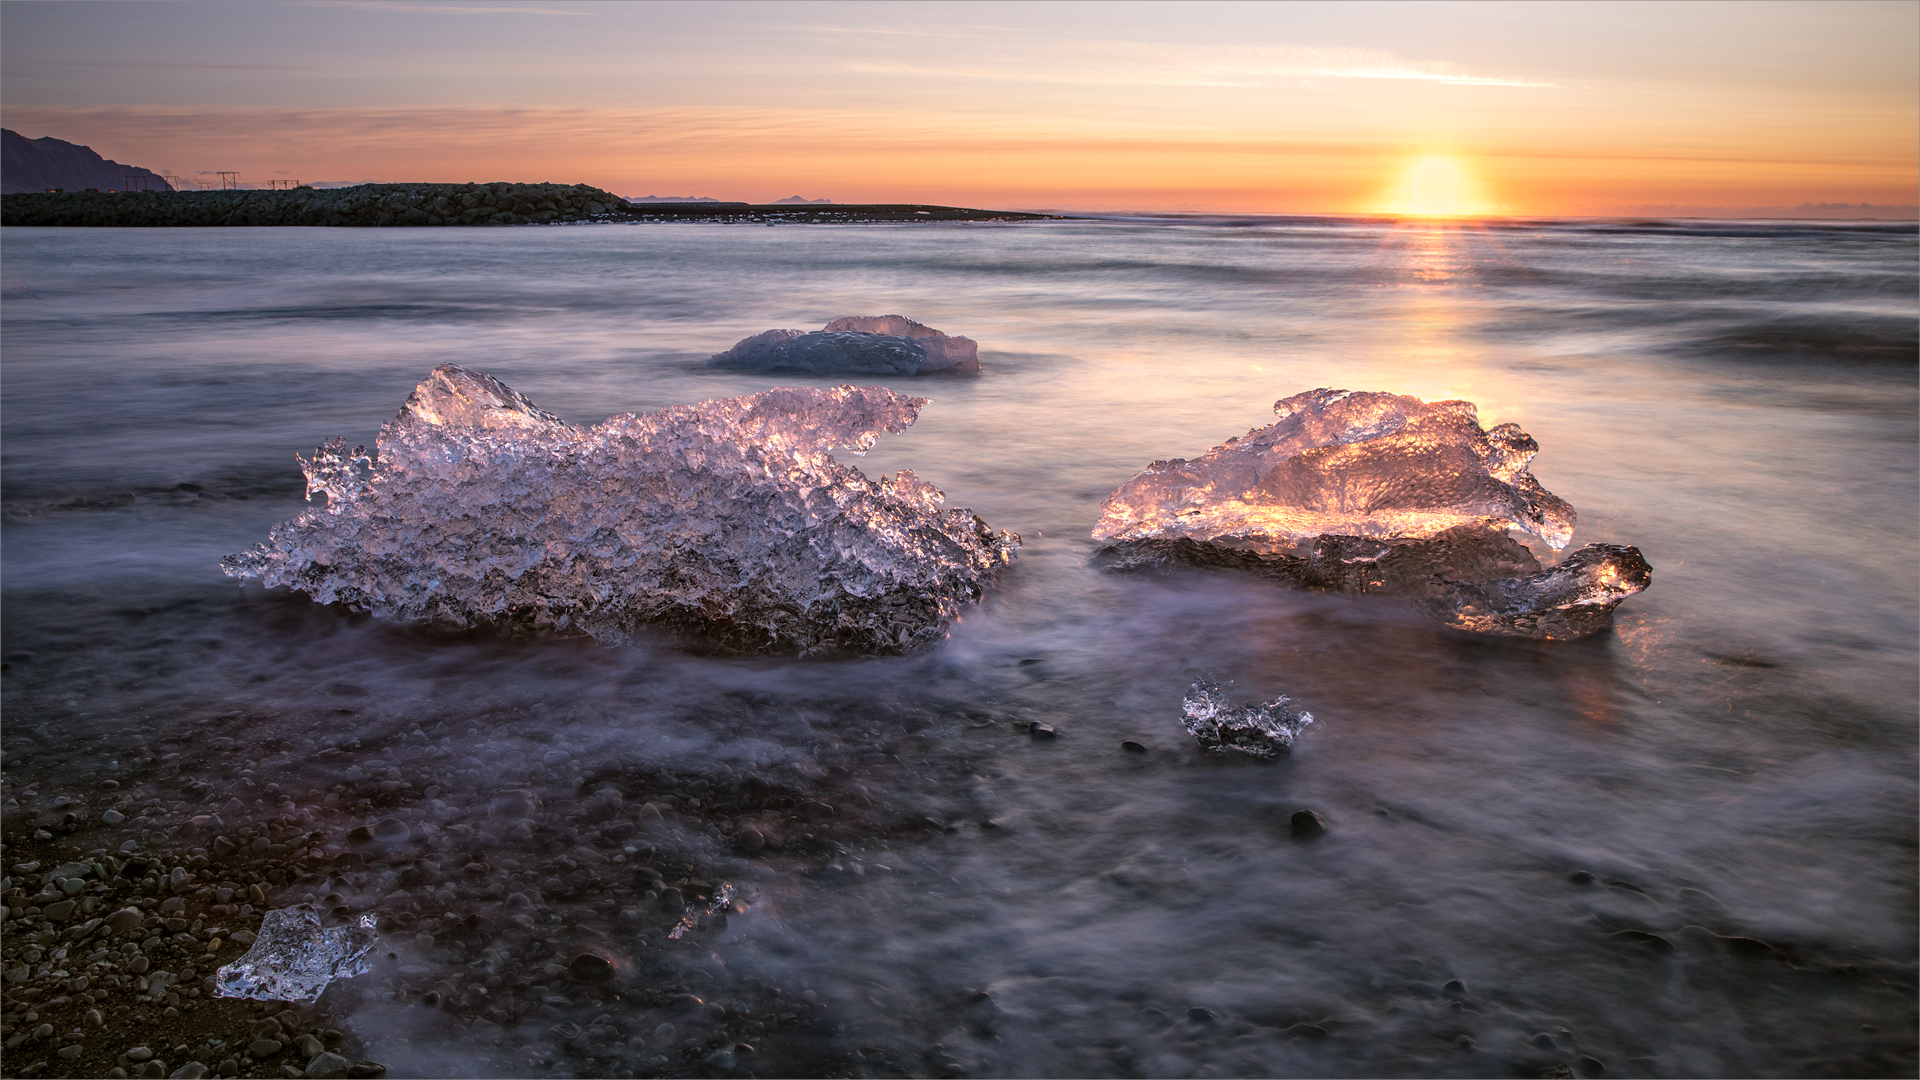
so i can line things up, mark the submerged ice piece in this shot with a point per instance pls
(855, 345)
(727, 518)
(1571, 600)
(1262, 731)
(294, 957)
(1343, 463)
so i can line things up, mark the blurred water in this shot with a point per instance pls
(1737, 400)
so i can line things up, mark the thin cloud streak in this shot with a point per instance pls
(401, 7)
(1151, 64)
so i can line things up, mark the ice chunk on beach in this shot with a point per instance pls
(1571, 600)
(855, 345)
(1467, 577)
(727, 518)
(1343, 463)
(294, 957)
(1262, 731)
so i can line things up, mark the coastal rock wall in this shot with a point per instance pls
(367, 204)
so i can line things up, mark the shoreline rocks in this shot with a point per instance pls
(363, 205)
(377, 205)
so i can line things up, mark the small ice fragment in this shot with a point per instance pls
(1572, 600)
(855, 345)
(1262, 731)
(722, 896)
(1343, 463)
(294, 957)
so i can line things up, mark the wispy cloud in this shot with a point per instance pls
(1156, 64)
(426, 7)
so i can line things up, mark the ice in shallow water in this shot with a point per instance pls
(727, 519)
(1343, 463)
(294, 957)
(1378, 493)
(855, 345)
(1261, 731)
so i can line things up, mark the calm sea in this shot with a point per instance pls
(1737, 759)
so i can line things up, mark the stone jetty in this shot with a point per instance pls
(436, 204)
(366, 204)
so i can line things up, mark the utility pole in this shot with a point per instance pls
(229, 181)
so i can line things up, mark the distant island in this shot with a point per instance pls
(802, 201)
(55, 164)
(682, 199)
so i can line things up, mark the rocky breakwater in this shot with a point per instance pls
(367, 204)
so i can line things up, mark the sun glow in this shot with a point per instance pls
(1435, 186)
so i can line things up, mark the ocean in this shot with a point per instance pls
(1684, 847)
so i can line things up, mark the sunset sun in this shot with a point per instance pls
(1433, 188)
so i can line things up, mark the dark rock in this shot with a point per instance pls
(1589, 1066)
(591, 968)
(1306, 825)
(1132, 747)
(391, 831)
(1042, 731)
(261, 1048)
(751, 840)
(672, 901)
(1200, 1016)
(1580, 877)
(328, 1066)
(1454, 988)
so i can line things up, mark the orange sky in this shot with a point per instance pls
(1515, 108)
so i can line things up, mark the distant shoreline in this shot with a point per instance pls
(416, 205)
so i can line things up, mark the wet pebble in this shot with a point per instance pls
(327, 1067)
(591, 968)
(1042, 731)
(1132, 747)
(1306, 825)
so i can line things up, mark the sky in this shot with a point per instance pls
(1512, 108)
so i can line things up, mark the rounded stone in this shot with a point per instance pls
(1307, 825)
(265, 1047)
(328, 1066)
(1132, 747)
(391, 831)
(592, 968)
(752, 840)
